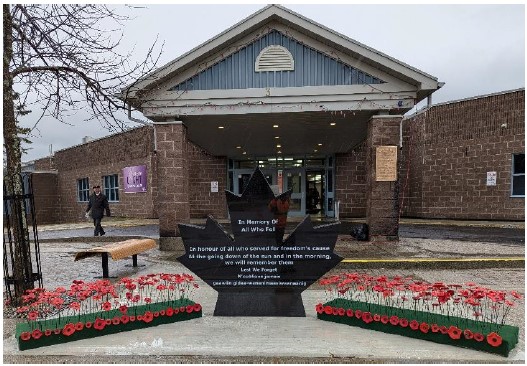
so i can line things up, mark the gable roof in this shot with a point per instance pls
(425, 83)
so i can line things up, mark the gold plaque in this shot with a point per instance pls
(386, 164)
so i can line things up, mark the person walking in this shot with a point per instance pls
(98, 203)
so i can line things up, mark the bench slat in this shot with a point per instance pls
(119, 250)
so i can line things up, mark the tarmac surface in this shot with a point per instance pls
(466, 251)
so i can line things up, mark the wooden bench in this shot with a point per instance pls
(118, 250)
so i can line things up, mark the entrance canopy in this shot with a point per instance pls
(279, 83)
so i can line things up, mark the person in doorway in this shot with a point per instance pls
(98, 203)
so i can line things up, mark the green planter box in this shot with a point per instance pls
(509, 334)
(156, 314)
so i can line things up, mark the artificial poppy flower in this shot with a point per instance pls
(106, 306)
(123, 309)
(132, 318)
(190, 309)
(68, 329)
(443, 329)
(328, 310)
(341, 311)
(516, 295)
(358, 314)
(79, 326)
(385, 319)
(434, 328)
(414, 325)
(424, 327)
(170, 311)
(468, 334)
(335, 311)
(108, 321)
(148, 300)
(125, 318)
(394, 320)
(88, 324)
(403, 322)
(454, 332)
(25, 336)
(33, 315)
(162, 312)
(197, 307)
(156, 314)
(148, 317)
(494, 339)
(99, 324)
(366, 317)
(182, 309)
(139, 317)
(176, 310)
(116, 320)
(37, 333)
(349, 312)
(48, 332)
(75, 305)
(57, 331)
(479, 337)
(377, 317)
(319, 308)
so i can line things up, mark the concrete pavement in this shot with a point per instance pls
(267, 339)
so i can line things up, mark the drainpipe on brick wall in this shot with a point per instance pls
(146, 123)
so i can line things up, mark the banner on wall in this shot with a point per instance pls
(135, 179)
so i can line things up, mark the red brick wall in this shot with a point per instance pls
(47, 207)
(448, 151)
(106, 156)
(206, 168)
(350, 182)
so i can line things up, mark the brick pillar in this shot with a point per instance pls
(382, 198)
(172, 181)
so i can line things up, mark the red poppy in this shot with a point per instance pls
(116, 320)
(182, 309)
(319, 308)
(349, 312)
(366, 317)
(132, 318)
(123, 309)
(479, 337)
(79, 326)
(176, 310)
(125, 318)
(424, 327)
(516, 295)
(99, 324)
(88, 325)
(148, 317)
(108, 321)
(106, 306)
(190, 309)
(68, 329)
(33, 315)
(443, 329)
(156, 314)
(385, 319)
(414, 325)
(494, 339)
(25, 336)
(57, 331)
(394, 320)
(197, 307)
(335, 311)
(434, 328)
(468, 334)
(358, 314)
(341, 311)
(376, 317)
(403, 322)
(36, 334)
(48, 332)
(170, 311)
(162, 312)
(139, 317)
(454, 332)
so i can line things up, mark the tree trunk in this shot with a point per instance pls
(22, 272)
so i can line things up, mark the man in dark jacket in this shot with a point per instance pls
(97, 204)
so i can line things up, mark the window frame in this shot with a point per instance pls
(83, 191)
(514, 174)
(114, 187)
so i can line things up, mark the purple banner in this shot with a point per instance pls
(135, 179)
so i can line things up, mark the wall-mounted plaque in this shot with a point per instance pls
(491, 178)
(135, 179)
(386, 164)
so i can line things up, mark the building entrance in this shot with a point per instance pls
(310, 181)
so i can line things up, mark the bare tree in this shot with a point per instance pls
(61, 58)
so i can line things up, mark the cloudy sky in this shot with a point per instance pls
(474, 49)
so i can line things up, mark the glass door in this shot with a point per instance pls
(294, 180)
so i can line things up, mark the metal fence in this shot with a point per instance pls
(21, 247)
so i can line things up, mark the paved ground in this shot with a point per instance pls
(265, 339)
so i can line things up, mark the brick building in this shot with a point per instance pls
(320, 114)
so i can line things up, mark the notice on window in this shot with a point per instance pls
(135, 179)
(386, 164)
(491, 178)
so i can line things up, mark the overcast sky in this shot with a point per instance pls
(474, 49)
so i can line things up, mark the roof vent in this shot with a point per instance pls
(274, 58)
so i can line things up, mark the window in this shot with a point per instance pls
(518, 175)
(111, 187)
(83, 190)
